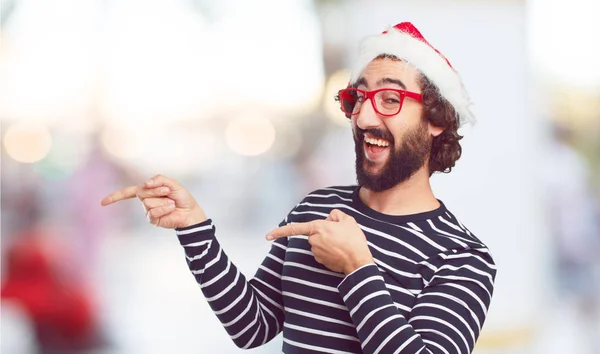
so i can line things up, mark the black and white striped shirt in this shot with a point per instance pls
(428, 291)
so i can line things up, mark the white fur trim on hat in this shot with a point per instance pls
(422, 56)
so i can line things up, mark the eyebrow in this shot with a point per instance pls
(361, 81)
(385, 80)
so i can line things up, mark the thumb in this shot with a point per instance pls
(336, 215)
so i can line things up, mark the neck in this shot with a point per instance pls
(412, 196)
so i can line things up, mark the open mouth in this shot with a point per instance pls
(375, 148)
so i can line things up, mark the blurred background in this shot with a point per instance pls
(234, 98)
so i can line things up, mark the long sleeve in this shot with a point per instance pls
(250, 311)
(447, 316)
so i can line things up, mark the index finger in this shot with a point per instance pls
(125, 193)
(301, 228)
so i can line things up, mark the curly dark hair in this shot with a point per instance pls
(445, 148)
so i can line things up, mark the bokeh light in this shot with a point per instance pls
(337, 81)
(123, 142)
(27, 142)
(250, 135)
(67, 154)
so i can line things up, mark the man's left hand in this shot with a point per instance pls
(337, 242)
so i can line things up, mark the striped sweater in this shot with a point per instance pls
(428, 291)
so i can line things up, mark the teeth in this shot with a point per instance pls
(379, 142)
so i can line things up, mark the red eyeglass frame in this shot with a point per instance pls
(370, 95)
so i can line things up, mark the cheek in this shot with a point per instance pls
(397, 128)
(412, 114)
(407, 120)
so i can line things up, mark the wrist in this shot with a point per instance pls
(195, 217)
(357, 263)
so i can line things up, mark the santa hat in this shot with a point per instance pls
(405, 42)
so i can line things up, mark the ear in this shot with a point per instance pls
(434, 130)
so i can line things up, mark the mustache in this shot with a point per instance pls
(376, 133)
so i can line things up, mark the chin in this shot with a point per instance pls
(372, 171)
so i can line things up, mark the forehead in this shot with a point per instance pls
(381, 68)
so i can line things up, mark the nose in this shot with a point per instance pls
(367, 118)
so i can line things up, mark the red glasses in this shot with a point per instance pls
(386, 101)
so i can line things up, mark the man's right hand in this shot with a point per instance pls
(167, 203)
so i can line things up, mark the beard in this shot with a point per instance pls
(402, 162)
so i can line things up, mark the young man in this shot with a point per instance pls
(382, 267)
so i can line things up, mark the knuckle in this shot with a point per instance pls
(315, 227)
(157, 212)
(321, 229)
(138, 191)
(147, 203)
